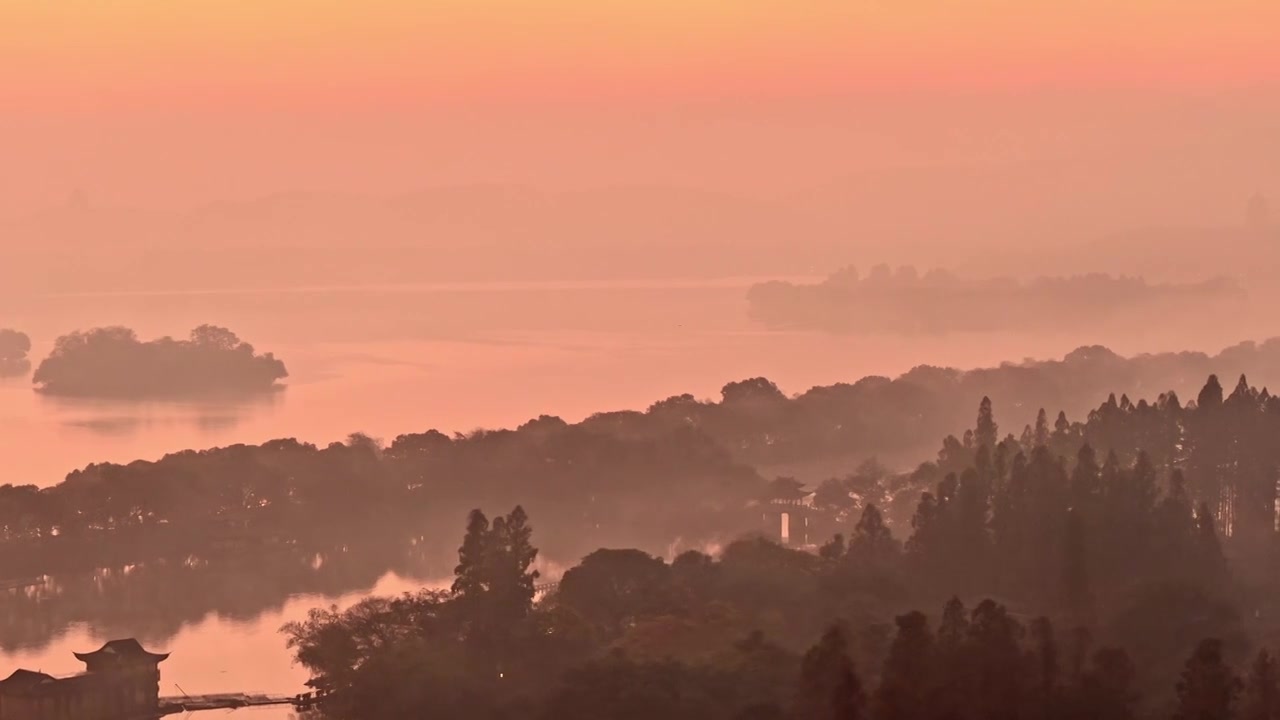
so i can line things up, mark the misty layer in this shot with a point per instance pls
(903, 301)
(1104, 568)
(14, 347)
(112, 362)
(290, 517)
(287, 517)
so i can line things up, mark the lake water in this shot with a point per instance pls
(389, 360)
(215, 654)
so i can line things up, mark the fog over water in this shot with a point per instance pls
(397, 359)
(392, 360)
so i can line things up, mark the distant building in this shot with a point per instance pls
(121, 681)
(787, 506)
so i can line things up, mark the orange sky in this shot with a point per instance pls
(192, 101)
(73, 52)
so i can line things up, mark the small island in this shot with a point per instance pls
(113, 362)
(14, 347)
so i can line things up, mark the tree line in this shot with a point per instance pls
(759, 632)
(597, 482)
(903, 301)
(1117, 567)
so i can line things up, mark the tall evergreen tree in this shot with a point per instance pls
(986, 432)
(1061, 426)
(1077, 591)
(469, 575)
(1045, 652)
(1213, 564)
(1086, 483)
(829, 687)
(996, 662)
(1207, 689)
(872, 541)
(908, 672)
(1262, 689)
(1210, 397)
(1041, 434)
(1105, 691)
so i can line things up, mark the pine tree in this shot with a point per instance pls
(516, 555)
(1105, 691)
(1262, 689)
(494, 581)
(955, 625)
(469, 577)
(1061, 426)
(1086, 483)
(973, 499)
(908, 671)
(995, 661)
(829, 687)
(986, 433)
(1210, 397)
(1041, 436)
(1213, 563)
(1174, 538)
(1027, 440)
(954, 669)
(1208, 689)
(1075, 572)
(872, 541)
(1047, 668)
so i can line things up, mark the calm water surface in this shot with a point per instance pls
(216, 654)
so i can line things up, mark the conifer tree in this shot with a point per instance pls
(1210, 397)
(1045, 652)
(872, 541)
(1075, 578)
(1041, 435)
(986, 432)
(907, 676)
(1209, 550)
(1061, 426)
(469, 574)
(1262, 689)
(1086, 483)
(1207, 689)
(1105, 690)
(829, 688)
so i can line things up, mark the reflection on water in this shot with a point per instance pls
(117, 417)
(14, 369)
(219, 651)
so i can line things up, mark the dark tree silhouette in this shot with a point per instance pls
(1208, 689)
(829, 686)
(1262, 689)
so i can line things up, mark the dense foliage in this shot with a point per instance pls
(113, 362)
(1130, 576)
(286, 517)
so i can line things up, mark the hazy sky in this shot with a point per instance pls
(178, 103)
